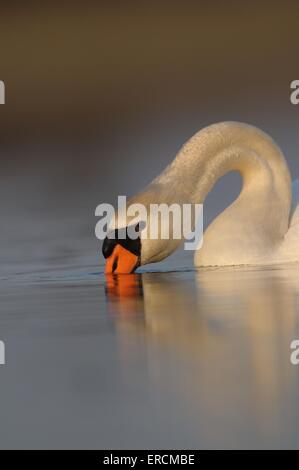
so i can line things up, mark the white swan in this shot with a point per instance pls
(260, 227)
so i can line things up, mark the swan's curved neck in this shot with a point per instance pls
(221, 148)
(260, 215)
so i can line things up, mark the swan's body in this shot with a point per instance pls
(260, 227)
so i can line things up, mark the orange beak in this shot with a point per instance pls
(121, 261)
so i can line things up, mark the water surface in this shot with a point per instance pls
(165, 359)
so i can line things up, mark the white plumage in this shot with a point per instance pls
(260, 227)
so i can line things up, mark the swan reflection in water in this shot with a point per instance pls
(216, 344)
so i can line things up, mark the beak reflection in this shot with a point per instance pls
(119, 287)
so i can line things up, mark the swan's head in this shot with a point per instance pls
(137, 237)
(131, 247)
(122, 252)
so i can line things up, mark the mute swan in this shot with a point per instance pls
(260, 227)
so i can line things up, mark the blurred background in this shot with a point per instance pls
(101, 95)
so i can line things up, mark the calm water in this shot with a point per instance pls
(175, 358)
(169, 359)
